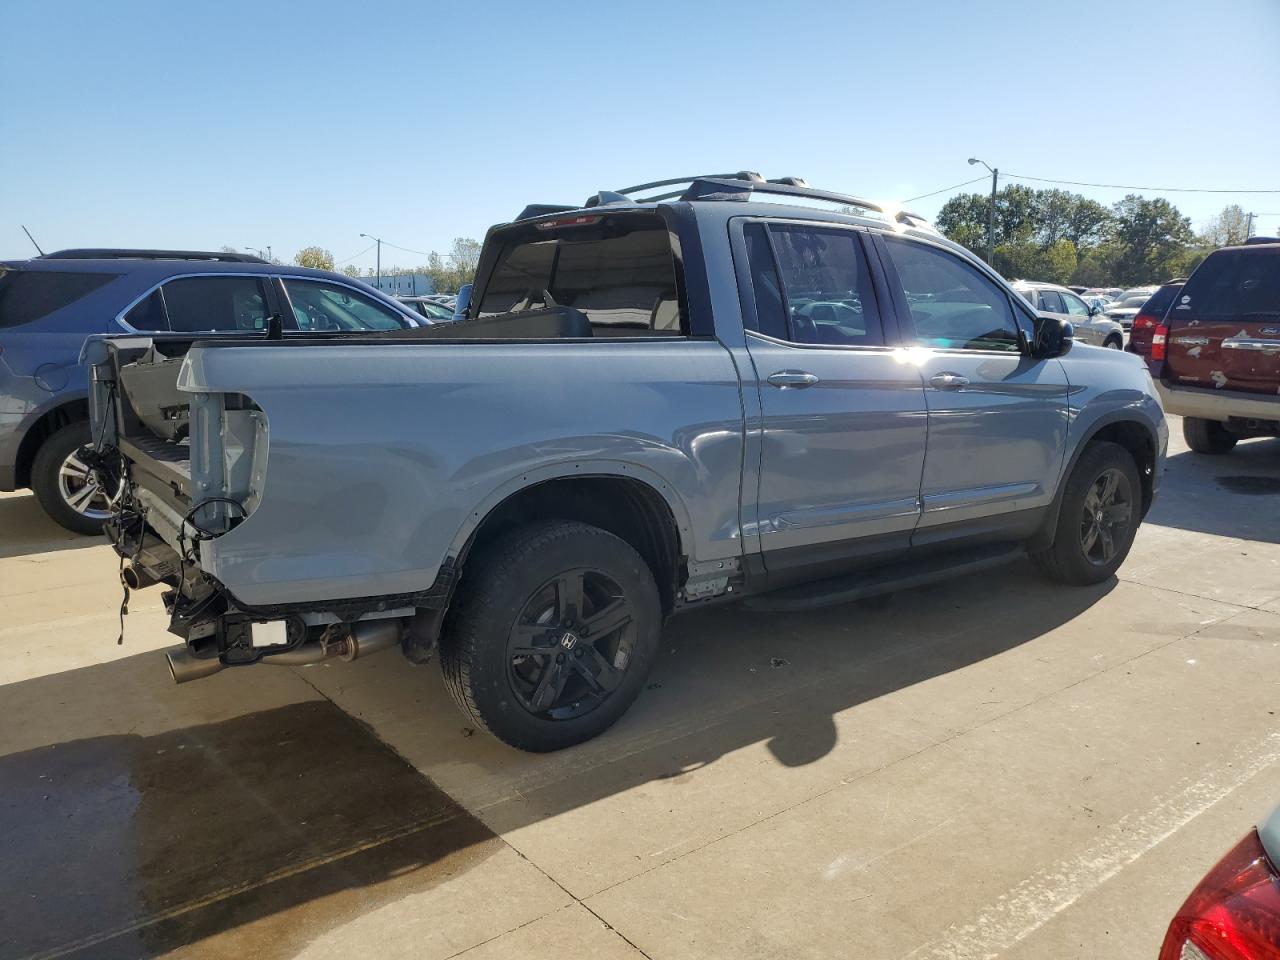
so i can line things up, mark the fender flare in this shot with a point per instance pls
(564, 470)
(1043, 537)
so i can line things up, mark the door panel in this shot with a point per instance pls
(996, 441)
(842, 416)
(840, 458)
(997, 417)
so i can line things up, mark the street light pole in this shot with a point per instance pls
(991, 210)
(377, 258)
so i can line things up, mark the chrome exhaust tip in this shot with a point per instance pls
(183, 667)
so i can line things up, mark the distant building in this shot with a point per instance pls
(403, 284)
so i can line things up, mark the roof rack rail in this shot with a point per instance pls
(729, 186)
(725, 188)
(114, 253)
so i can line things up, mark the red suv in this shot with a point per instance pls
(1215, 355)
(1151, 315)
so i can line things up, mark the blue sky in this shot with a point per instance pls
(202, 124)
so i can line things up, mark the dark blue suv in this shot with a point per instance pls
(50, 304)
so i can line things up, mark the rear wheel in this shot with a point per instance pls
(551, 635)
(65, 486)
(1207, 436)
(1114, 343)
(1100, 512)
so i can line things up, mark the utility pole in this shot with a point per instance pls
(991, 211)
(1248, 227)
(377, 257)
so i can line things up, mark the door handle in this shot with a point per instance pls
(797, 379)
(949, 381)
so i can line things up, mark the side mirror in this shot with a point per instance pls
(464, 301)
(1094, 310)
(1053, 337)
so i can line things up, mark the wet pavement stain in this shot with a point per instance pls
(245, 838)
(1250, 485)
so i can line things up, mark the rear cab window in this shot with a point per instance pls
(614, 273)
(29, 295)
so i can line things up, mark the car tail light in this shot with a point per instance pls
(1234, 913)
(1159, 342)
(1145, 321)
(579, 221)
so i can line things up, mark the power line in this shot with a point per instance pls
(421, 253)
(1122, 186)
(955, 186)
(338, 263)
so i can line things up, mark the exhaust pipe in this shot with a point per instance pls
(137, 579)
(366, 637)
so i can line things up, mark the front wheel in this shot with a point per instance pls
(65, 486)
(551, 635)
(1207, 436)
(1100, 511)
(1114, 343)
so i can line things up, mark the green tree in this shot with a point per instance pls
(1153, 238)
(1227, 229)
(317, 258)
(351, 270)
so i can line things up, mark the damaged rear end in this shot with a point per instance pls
(190, 467)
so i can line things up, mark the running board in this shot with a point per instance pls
(869, 583)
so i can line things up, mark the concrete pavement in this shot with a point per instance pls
(989, 767)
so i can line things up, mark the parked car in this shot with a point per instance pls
(50, 304)
(1089, 323)
(650, 406)
(431, 309)
(1123, 311)
(1150, 315)
(1109, 292)
(1234, 912)
(1216, 355)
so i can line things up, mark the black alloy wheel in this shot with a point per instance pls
(571, 645)
(1108, 508)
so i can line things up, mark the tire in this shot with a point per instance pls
(542, 702)
(1207, 436)
(56, 490)
(1114, 343)
(1090, 543)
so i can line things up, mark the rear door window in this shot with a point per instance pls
(27, 295)
(824, 293)
(1051, 302)
(216, 304)
(951, 304)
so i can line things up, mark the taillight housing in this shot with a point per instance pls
(1233, 914)
(1159, 342)
(1145, 321)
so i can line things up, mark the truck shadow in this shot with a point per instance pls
(255, 834)
(26, 529)
(1235, 495)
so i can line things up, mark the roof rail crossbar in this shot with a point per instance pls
(740, 175)
(724, 188)
(115, 253)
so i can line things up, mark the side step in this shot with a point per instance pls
(905, 575)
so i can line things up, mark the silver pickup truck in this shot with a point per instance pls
(663, 399)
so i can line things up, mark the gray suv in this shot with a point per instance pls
(49, 306)
(670, 397)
